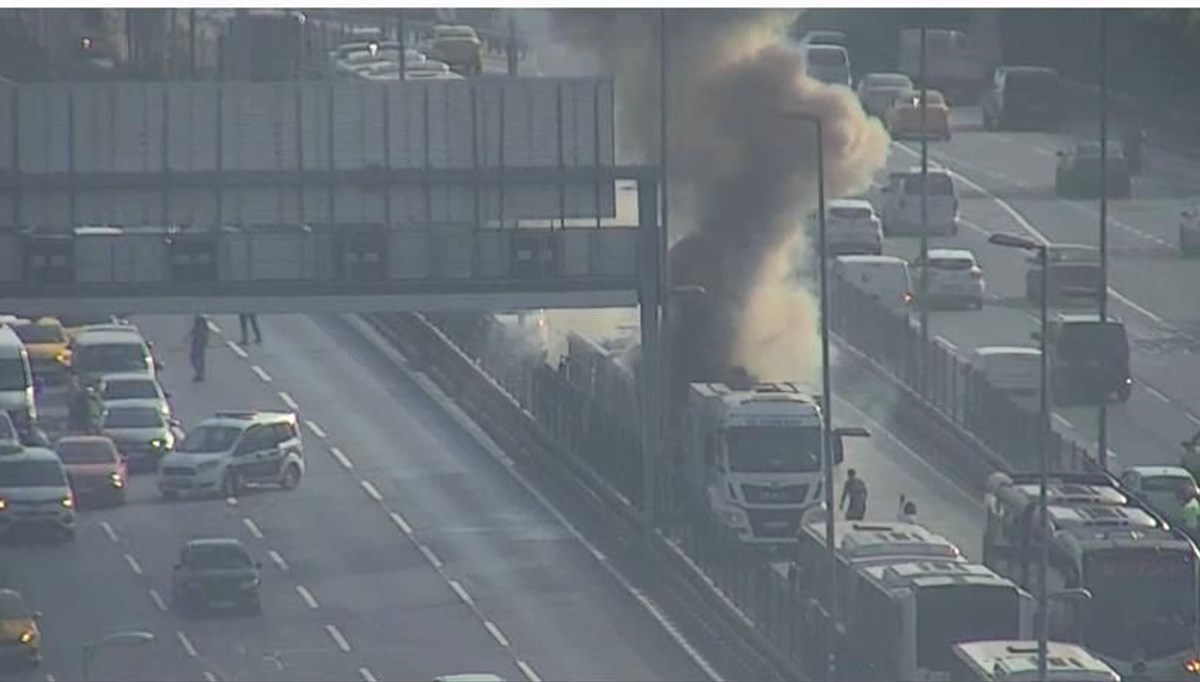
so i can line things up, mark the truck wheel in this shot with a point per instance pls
(291, 477)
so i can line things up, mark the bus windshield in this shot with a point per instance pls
(774, 449)
(1143, 602)
(949, 614)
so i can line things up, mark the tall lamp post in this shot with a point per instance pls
(1102, 435)
(129, 637)
(827, 458)
(1013, 241)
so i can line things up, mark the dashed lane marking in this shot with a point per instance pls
(252, 527)
(213, 327)
(278, 559)
(133, 564)
(186, 643)
(527, 671)
(310, 600)
(461, 592)
(401, 523)
(1193, 418)
(337, 638)
(231, 501)
(1063, 420)
(372, 492)
(157, 599)
(315, 428)
(341, 458)
(209, 677)
(237, 350)
(49, 677)
(1156, 393)
(496, 633)
(433, 558)
(262, 373)
(288, 400)
(108, 530)
(366, 675)
(946, 342)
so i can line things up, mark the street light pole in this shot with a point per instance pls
(401, 42)
(1043, 613)
(1102, 435)
(924, 285)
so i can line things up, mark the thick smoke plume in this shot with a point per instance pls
(742, 171)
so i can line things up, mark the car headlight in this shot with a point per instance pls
(26, 637)
(68, 502)
(1192, 666)
(3, 504)
(209, 465)
(116, 480)
(736, 518)
(158, 443)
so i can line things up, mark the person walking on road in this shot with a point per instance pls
(1190, 512)
(855, 492)
(908, 511)
(198, 335)
(251, 320)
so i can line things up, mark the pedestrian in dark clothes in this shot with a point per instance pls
(198, 335)
(251, 320)
(855, 492)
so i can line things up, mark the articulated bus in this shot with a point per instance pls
(906, 597)
(1141, 573)
(1016, 661)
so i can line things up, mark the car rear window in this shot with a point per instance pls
(951, 263)
(818, 57)
(39, 333)
(939, 184)
(130, 389)
(218, 557)
(1085, 339)
(32, 473)
(850, 212)
(85, 452)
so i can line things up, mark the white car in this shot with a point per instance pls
(877, 91)
(852, 227)
(1160, 486)
(902, 203)
(1189, 231)
(954, 277)
(1015, 370)
(231, 450)
(884, 278)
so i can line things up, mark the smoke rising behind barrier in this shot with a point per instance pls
(742, 172)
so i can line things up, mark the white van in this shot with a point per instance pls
(902, 203)
(828, 64)
(1016, 370)
(16, 380)
(884, 278)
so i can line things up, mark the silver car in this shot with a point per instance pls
(35, 493)
(141, 433)
(132, 390)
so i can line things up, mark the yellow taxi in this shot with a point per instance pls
(904, 116)
(20, 639)
(46, 341)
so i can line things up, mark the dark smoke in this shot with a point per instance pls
(742, 173)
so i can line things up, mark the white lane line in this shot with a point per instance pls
(133, 564)
(238, 350)
(1043, 151)
(315, 428)
(262, 373)
(213, 327)
(278, 560)
(157, 599)
(372, 492)
(341, 458)
(186, 643)
(231, 501)
(1063, 420)
(310, 600)
(337, 638)
(461, 592)
(1156, 393)
(496, 633)
(527, 671)
(366, 675)
(945, 342)
(401, 523)
(433, 558)
(1193, 418)
(252, 527)
(50, 677)
(288, 400)
(108, 530)
(209, 677)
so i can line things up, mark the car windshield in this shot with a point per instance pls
(132, 418)
(889, 81)
(29, 473)
(209, 439)
(11, 606)
(39, 333)
(130, 389)
(223, 557)
(952, 264)
(110, 357)
(1141, 599)
(85, 452)
(1168, 484)
(850, 212)
(826, 57)
(14, 374)
(769, 449)
(949, 614)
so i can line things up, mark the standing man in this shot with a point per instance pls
(198, 335)
(250, 319)
(855, 492)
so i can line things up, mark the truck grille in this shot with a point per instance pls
(774, 523)
(784, 494)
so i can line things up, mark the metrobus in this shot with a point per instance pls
(1016, 661)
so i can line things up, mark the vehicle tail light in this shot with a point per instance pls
(1192, 665)
(976, 273)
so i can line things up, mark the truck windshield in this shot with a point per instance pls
(1143, 602)
(774, 449)
(954, 613)
(1104, 341)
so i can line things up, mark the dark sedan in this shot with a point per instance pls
(216, 573)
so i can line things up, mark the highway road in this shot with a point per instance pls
(407, 551)
(1006, 182)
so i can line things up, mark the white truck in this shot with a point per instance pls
(757, 455)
